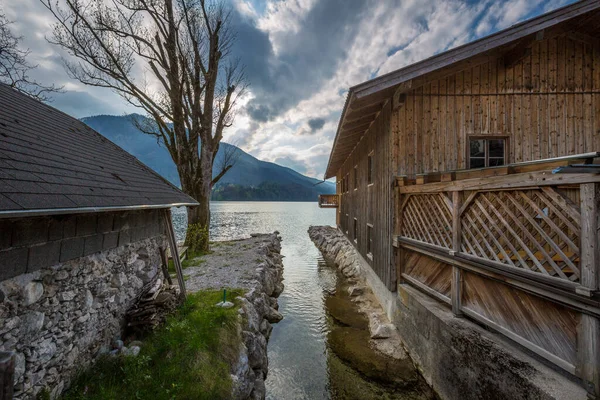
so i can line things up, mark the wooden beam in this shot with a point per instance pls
(456, 284)
(7, 374)
(174, 251)
(165, 265)
(360, 112)
(510, 277)
(358, 124)
(374, 101)
(567, 366)
(588, 334)
(534, 179)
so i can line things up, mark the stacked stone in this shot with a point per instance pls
(258, 312)
(334, 245)
(58, 318)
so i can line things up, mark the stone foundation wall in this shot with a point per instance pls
(58, 318)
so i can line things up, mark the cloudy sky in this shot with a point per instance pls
(301, 57)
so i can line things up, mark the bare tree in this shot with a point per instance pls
(14, 67)
(170, 58)
(229, 157)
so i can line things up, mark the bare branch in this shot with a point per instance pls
(14, 67)
(230, 155)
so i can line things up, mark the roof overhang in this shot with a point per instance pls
(365, 101)
(85, 210)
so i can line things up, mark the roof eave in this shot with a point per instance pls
(86, 210)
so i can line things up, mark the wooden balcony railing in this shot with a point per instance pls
(492, 243)
(329, 200)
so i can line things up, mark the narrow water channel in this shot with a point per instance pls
(302, 364)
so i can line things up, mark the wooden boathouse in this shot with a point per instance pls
(474, 176)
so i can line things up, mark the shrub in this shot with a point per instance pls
(197, 238)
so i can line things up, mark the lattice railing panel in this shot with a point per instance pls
(535, 229)
(428, 218)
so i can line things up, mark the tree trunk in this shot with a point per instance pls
(199, 216)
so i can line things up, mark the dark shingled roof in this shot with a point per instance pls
(51, 162)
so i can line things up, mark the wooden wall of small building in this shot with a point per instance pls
(374, 203)
(547, 104)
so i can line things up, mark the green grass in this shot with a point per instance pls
(187, 358)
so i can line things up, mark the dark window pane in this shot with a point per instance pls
(495, 162)
(496, 148)
(477, 148)
(477, 163)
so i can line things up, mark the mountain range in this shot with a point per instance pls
(250, 179)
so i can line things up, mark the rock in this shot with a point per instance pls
(72, 356)
(19, 366)
(355, 291)
(88, 301)
(251, 316)
(61, 275)
(10, 324)
(46, 350)
(130, 351)
(273, 316)
(345, 312)
(266, 328)
(32, 323)
(383, 331)
(83, 318)
(118, 280)
(224, 304)
(32, 292)
(259, 392)
(257, 350)
(352, 346)
(67, 296)
(104, 349)
(243, 376)
(118, 344)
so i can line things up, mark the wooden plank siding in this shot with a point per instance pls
(547, 105)
(371, 204)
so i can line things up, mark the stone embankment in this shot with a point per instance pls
(253, 264)
(383, 335)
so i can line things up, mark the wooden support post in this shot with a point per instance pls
(588, 334)
(174, 251)
(399, 211)
(165, 265)
(7, 374)
(456, 285)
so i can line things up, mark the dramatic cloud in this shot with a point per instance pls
(316, 124)
(301, 56)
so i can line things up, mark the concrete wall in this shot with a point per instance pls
(70, 281)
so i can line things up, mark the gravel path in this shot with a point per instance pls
(231, 264)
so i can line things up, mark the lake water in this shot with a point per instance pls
(301, 365)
